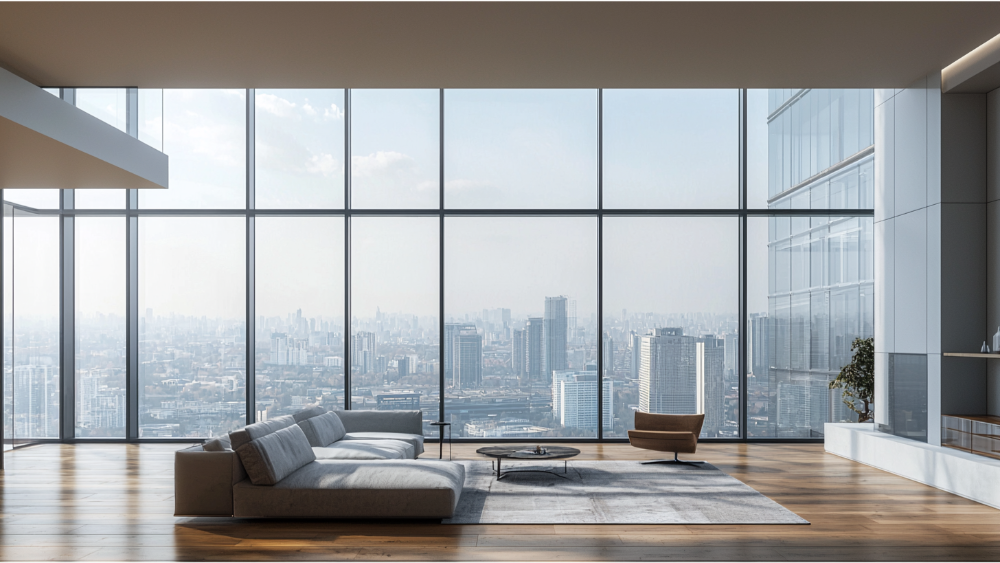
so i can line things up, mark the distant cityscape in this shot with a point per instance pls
(506, 375)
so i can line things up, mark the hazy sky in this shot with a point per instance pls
(504, 149)
(299, 265)
(516, 262)
(193, 266)
(671, 149)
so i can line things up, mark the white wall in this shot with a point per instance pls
(930, 243)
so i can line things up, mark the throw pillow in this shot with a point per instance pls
(271, 458)
(323, 430)
(308, 413)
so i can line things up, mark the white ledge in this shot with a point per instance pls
(961, 473)
(48, 143)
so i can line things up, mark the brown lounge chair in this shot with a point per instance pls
(676, 433)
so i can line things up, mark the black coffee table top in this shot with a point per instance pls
(505, 452)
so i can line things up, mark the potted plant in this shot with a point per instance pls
(857, 379)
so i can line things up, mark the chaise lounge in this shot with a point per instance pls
(318, 464)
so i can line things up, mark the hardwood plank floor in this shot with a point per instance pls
(115, 502)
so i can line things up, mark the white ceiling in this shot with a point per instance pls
(495, 44)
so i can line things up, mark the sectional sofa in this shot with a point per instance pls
(318, 464)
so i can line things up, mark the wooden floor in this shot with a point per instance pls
(114, 502)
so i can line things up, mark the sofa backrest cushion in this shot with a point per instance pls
(308, 413)
(406, 422)
(259, 430)
(271, 458)
(220, 444)
(323, 430)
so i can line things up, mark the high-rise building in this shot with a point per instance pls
(821, 286)
(467, 361)
(450, 330)
(279, 349)
(609, 354)
(574, 399)
(554, 336)
(635, 349)
(518, 354)
(534, 349)
(711, 377)
(732, 354)
(668, 373)
(403, 366)
(757, 344)
(364, 350)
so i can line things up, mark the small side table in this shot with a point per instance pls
(441, 426)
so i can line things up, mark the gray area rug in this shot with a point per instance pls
(613, 492)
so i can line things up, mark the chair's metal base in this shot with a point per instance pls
(675, 460)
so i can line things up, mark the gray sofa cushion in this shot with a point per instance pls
(323, 430)
(357, 489)
(271, 458)
(259, 429)
(220, 444)
(308, 413)
(415, 440)
(407, 422)
(366, 449)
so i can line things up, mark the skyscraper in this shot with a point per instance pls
(450, 330)
(467, 363)
(609, 354)
(668, 373)
(711, 376)
(364, 350)
(518, 355)
(635, 349)
(574, 399)
(732, 354)
(554, 336)
(534, 349)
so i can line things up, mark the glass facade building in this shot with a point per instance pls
(519, 263)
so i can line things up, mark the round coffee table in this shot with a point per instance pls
(510, 452)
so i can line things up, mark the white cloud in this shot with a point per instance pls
(333, 112)
(325, 164)
(310, 111)
(275, 105)
(382, 163)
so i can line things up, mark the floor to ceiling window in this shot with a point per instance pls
(520, 263)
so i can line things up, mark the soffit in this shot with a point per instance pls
(491, 44)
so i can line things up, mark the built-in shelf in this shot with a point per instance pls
(971, 355)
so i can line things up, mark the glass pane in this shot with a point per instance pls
(8, 326)
(798, 142)
(204, 134)
(299, 149)
(36, 327)
(521, 326)
(300, 314)
(671, 149)
(192, 328)
(151, 117)
(671, 319)
(395, 148)
(37, 199)
(394, 315)
(799, 336)
(110, 105)
(521, 149)
(100, 327)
